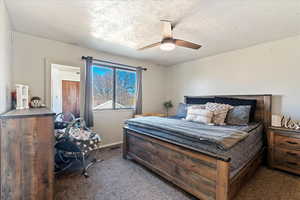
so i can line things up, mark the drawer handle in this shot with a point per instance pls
(291, 163)
(291, 153)
(290, 142)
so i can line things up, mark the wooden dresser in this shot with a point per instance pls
(27, 140)
(284, 149)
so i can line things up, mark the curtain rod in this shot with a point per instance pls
(108, 62)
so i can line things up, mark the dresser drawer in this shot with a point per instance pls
(287, 142)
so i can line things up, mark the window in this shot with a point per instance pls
(125, 88)
(113, 88)
(103, 84)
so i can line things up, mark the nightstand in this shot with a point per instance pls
(284, 149)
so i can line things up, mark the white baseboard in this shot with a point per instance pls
(111, 145)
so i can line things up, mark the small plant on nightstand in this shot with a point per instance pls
(168, 105)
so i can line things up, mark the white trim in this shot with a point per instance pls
(111, 144)
(58, 74)
(65, 67)
(48, 64)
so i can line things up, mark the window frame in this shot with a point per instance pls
(114, 68)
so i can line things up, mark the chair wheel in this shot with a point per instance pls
(86, 175)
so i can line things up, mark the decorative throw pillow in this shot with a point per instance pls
(181, 110)
(239, 115)
(239, 102)
(199, 114)
(219, 112)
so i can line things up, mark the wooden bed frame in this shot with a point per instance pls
(202, 174)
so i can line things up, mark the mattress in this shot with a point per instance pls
(221, 137)
(239, 154)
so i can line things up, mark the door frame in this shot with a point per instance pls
(56, 82)
(48, 62)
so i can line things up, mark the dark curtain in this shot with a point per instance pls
(139, 100)
(88, 93)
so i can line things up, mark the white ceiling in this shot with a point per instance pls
(120, 26)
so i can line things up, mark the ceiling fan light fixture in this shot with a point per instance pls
(168, 43)
(167, 46)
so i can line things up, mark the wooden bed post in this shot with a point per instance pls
(222, 180)
(124, 145)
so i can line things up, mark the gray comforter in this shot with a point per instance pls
(224, 138)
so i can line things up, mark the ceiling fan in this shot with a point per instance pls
(169, 43)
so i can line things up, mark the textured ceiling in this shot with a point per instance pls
(121, 26)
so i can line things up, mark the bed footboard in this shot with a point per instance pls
(203, 176)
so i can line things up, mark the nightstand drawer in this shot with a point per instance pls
(287, 160)
(289, 166)
(286, 155)
(287, 142)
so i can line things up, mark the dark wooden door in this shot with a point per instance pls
(70, 97)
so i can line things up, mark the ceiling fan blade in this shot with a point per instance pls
(166, 29)
(186, 44)
(149, 46)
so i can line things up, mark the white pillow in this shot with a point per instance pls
(199, 114)
(198, 106)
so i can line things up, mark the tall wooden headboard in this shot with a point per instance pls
(263, 106)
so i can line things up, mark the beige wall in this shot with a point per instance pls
(30, 55)
(110, 124)
(269, 68)
(5, 59)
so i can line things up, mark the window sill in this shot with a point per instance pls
(115, 110)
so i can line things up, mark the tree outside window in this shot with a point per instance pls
(113, 88)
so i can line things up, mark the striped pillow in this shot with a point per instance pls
(219, 112)
(199, 114)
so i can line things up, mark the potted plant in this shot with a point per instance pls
(168, 105)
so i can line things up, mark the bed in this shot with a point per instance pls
(203, 172)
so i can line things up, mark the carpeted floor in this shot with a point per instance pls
(118, 179)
